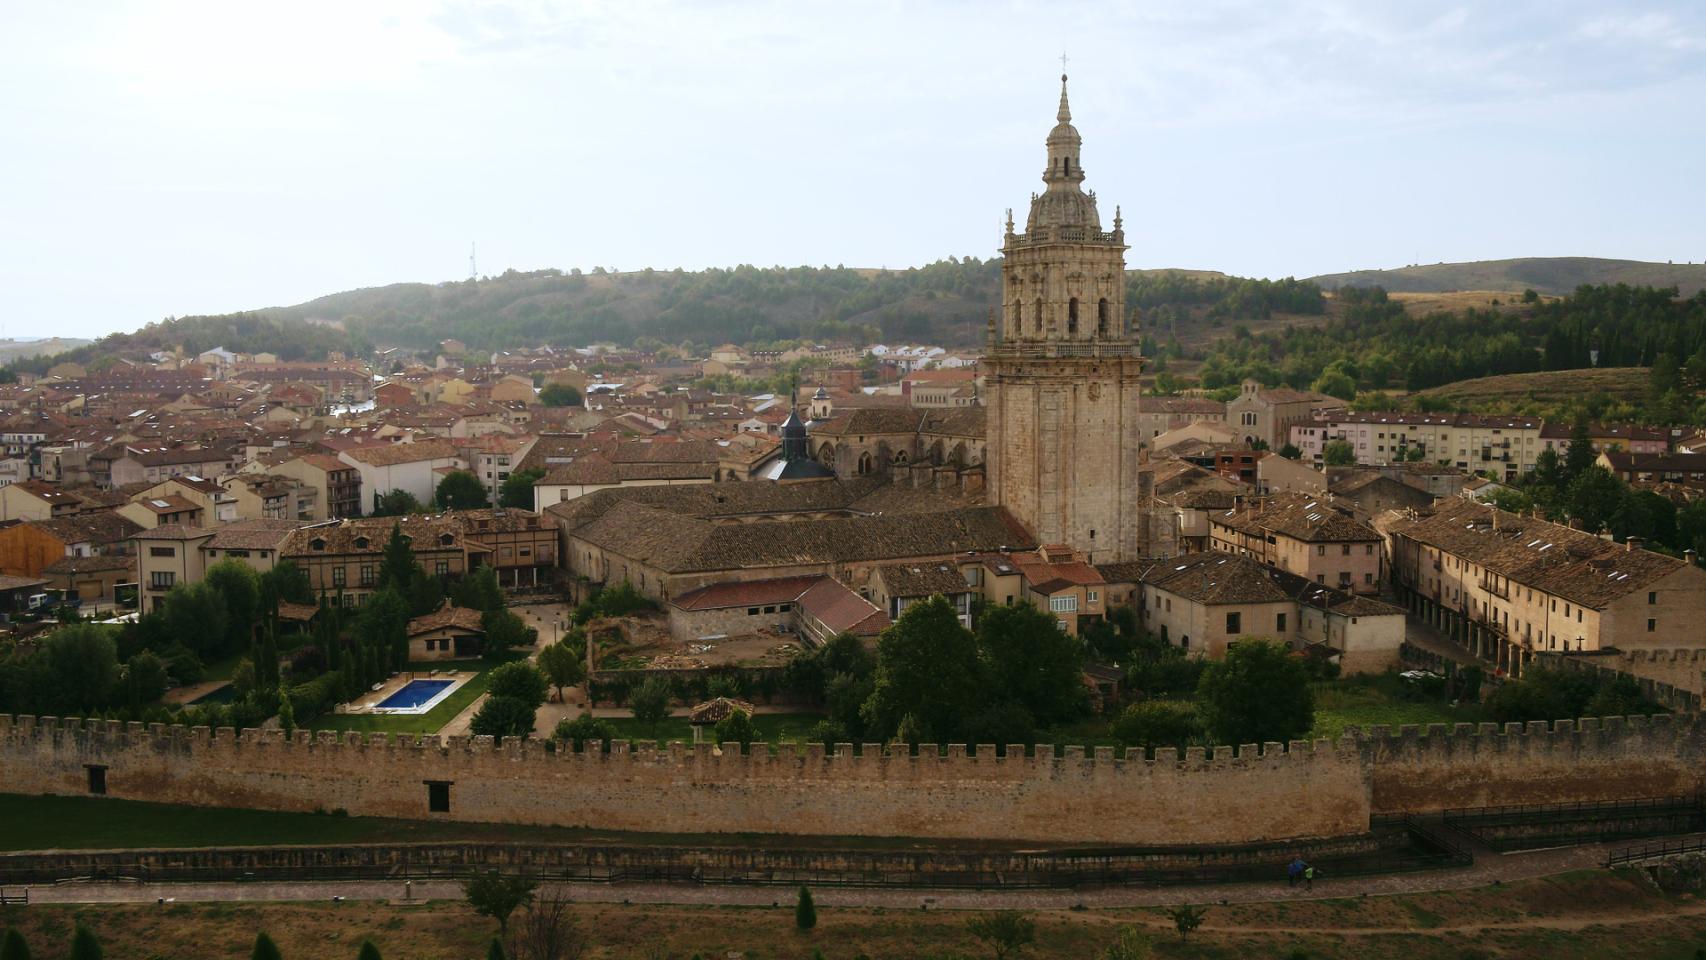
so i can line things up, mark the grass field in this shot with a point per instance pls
(1571, 917)
(105, 823)
(1510, 391)
(428, 722)
(1369, 701)
(772, 728)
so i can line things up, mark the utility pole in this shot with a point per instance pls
(473, 273)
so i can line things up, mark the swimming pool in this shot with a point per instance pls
(416, 696)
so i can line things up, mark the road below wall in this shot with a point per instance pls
(1489, 868)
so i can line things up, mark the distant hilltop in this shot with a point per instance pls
(16, 348)
(1550, 275)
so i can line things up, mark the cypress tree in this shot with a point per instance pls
(805, 912)
(84, 946)
(14, 947)
(265, 949)
(496, 950)
(368, 951)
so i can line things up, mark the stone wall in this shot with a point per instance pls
(1070, 798)
(1319, 789)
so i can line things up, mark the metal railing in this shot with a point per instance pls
(1530, 826)
(1656, 851)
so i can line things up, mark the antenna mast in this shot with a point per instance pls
(472, 272)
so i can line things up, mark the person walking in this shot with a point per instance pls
(1309, 878)
(1294, 871)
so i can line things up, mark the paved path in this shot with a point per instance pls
(1489, 868)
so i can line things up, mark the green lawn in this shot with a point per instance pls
(772, 728)
(428, 722)
(1371, 701)
(105, 823)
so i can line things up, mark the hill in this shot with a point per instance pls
(1549, 275)
(946, 302)
(1512, 391)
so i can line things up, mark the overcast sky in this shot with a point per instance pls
(166, 158)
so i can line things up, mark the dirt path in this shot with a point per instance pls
(1488, 869)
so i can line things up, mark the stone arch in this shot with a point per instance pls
(958, 456)
(1072, 315)
(826, 454)
(1102, 317)
(900, 458)
(1037, 317)
(864, 463)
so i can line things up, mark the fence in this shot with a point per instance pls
(1656, 851)
(1394, 846)
(1528, 826)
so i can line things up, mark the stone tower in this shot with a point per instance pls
(1061, 370)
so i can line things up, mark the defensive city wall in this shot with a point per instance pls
(1307, 789)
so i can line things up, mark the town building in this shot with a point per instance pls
(342, 557)
(1267, 414)
(1508, 587)
(1503, 446)
(1308, 536)
(412, 467)
(336, 484)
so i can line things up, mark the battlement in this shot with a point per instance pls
(1249, 793)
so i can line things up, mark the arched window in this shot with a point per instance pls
(1072, 315)
(900, 457)
(864, 463)
(1018, 318)
(1102, 317)
(1038, 316)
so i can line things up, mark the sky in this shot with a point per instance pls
(163, 158)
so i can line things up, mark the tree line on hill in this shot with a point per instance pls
(943, 302)
(1374, 344)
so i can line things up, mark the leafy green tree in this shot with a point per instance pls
(1335, 383)
(497, 896)
(1186, 918)
(460, 490)
(501, 717)
(264, 948)
(505, 631)
(805, 911)
(397, 567)
(737, 727)
(1258, 694)
(521, 680)
(829, 733)
(1339, 453)
(84, 944)
(1647, 515)
(383, 625)
(1130, 945)
(559, 395)
(1290, 451)
(583, 730)
(1581, 454)
(563, 667)
(517, 491)
(1004, 932)
(368, 951)
(83, 664)
(927, 668)
(14, 947)
(1593, 497)
(195, 616)
(1158, 723)
(478, 590)
(1026, 659)
(395, 503)
(286, 713)
(237, 585)
(650, 701)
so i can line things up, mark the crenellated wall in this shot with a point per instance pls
(1319, 789)
(1070, 798)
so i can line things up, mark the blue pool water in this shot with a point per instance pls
(414, 694)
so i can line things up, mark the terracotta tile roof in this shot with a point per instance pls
(923, 579)
(447, 617)
(9, 582)
(96, 564)
(391, 454)
(1300, 517)
(744, 593)
(170, 503)
(297, 612)
(173, 531)
(99, 526)
(1571, 564)
(425, 533)
(259, 533)
(841, 610)
(715, 711)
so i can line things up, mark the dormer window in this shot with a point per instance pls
(361, 543)
(445, 539)
(317, 544)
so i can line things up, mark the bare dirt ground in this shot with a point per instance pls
(640, 642)
(1581, 914)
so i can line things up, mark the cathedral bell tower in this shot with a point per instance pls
(1062, 366)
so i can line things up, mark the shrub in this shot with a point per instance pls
(1158, 723)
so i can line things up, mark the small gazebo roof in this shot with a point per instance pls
(714, 711)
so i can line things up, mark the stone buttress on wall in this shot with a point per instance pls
(1310, 790)
(1614, 758)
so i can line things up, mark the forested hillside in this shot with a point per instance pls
(946, 303)
(1549, 275)
(1372, 344)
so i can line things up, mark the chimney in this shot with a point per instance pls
(1691, 556)
(1632, 544)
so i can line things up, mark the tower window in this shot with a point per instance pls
(1072, 315)
(1038, 316)
(1102, 317)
